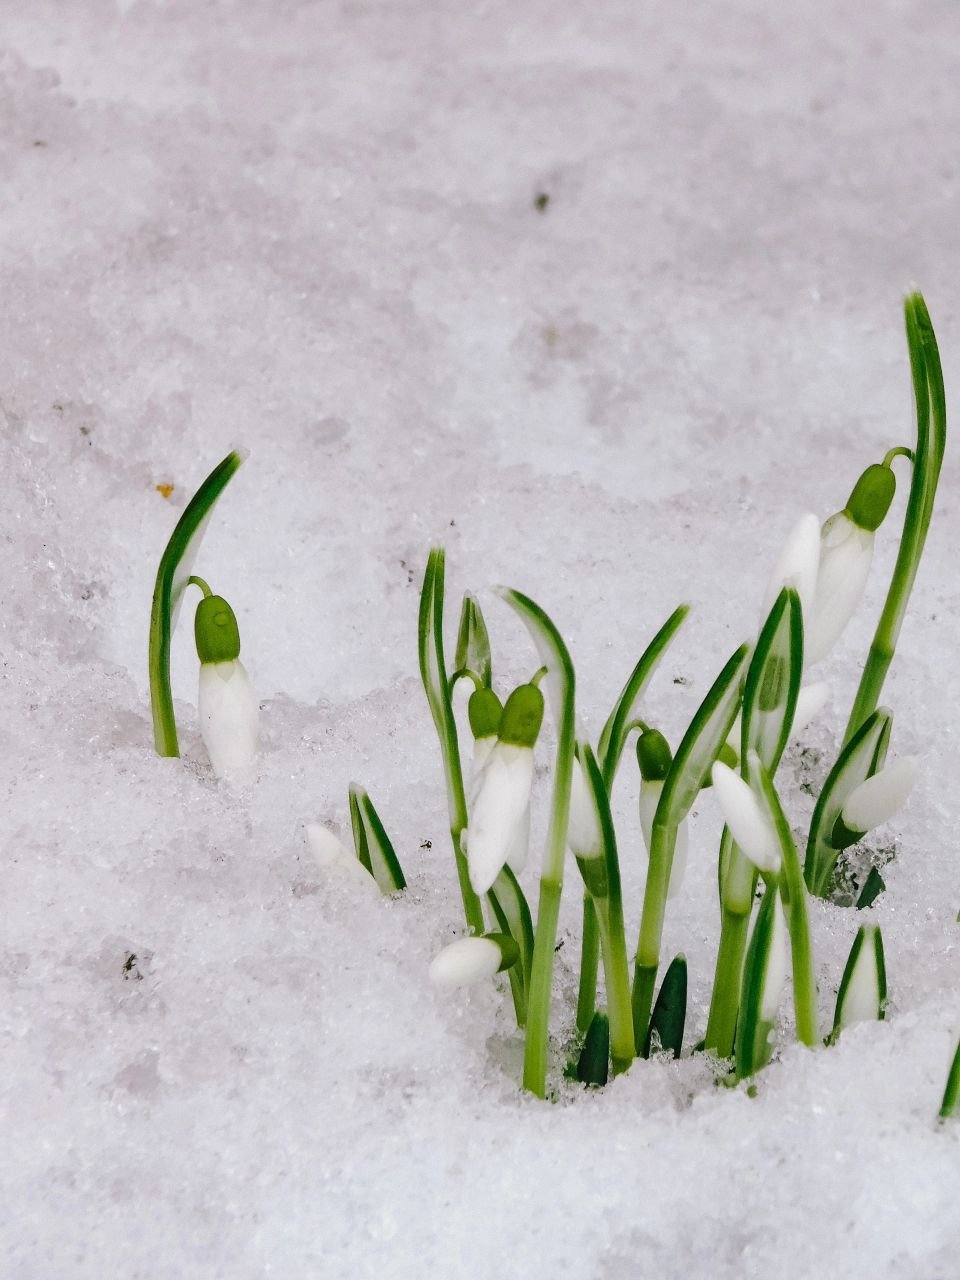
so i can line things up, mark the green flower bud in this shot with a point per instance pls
(871, 497)
(216, 630)
(653, 756)
(522, 716)
(484, 710)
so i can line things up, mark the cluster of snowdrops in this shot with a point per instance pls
(762, 696)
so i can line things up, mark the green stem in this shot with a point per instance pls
(541, 982)
(617, 979)
(663, 840)
(928, 456)
(589, 957)
(194, 581)
(794, 893)
(725, 998)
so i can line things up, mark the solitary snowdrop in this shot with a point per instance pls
(332, 855)
(654, 757)
(749, 825)
(227, 705)
(797, 565)
(846, 553)
(470, 960)
(876, 800)
(501, 801)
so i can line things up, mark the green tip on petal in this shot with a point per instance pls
(653, 755)
(522, 716)
(484, 711)
(216, 631)
(871, 497)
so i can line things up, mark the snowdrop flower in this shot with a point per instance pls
(846, 552)
(749, 825)
(331, 854)
(227, 705)
(797, 565)
(863, 989)
(655, 758)
(470, 960)
(501, 800)
(778, 965)
(875, 801)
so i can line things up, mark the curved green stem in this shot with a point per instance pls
(928, 456)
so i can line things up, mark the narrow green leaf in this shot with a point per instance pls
(860, 759)
(754, 1040)
(473, 642)
(773, 682)
(560, 683)
(614, 734)
(509, 905)
(697, 751)
(374, 848)
(702, 741)
(594, 1065)
(669, 1012)
(863, 987)
(873, 886)
(176, 566)
(951, 1094)
(609, 906)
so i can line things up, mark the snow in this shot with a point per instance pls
(313, 229)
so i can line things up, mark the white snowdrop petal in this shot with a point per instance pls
(520, 846)
(749, 825)
(846, 552)
(326, 847)
(798, 564)
(583, 829)
(464, 962)
(778, 966)
(880, 797)
(650, 793)
(811, 700)
(333, 857)
(482, 747)
(229, 717)
(499, 807)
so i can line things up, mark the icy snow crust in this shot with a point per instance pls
(312, 229)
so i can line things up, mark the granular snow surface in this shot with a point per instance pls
(601, 296)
